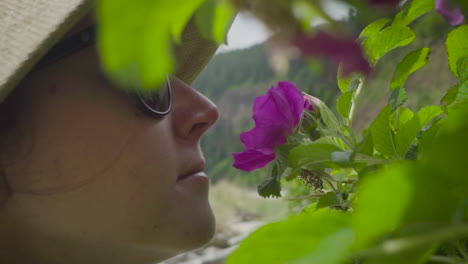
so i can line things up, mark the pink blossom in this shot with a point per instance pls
(276, 116)
(345, 51)
(450, 11)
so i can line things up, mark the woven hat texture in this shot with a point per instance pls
(29, 28)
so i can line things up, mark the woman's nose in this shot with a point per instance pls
(192, 113)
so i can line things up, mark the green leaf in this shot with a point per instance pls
(390, 38)
(313, 156)
(400, 117)
(408, 132)
(450, 96)
(381, 204)
(342, 157)
(214, 18)
(366, 145)
(270, 188)
(344, 104)
(135, 53)
(415, 10)
(457, 47)
(373, 28)
(204, 17)
(327, 200)
(224, 16)
(328, 117)
(368, 34)
(280, 242)
(397, 97)
(461, 92)
(382, 134)
(411, 63)
(333, 249)
(347, 83)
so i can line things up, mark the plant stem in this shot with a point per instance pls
(305, 196)
(354, 100)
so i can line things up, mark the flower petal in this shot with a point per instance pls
(450, 11)
(252, 159)
(345, 51)
(267, 137)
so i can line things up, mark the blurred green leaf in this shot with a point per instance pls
(135, 39)
(459, 95)
(204, 17)
(344, 104)
(342, 157)
(411, 63)
(368, 34)
(223, 17)
(333, 249)
(313, 156)
(382, 134)
(389, 38)
(415, 9)
(457, 47)
(450, 96)
(397, 97)
(348, 83)
(382, 203)
(280, 242)
(408, 131)
(327, 200)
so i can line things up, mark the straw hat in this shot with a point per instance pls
(29, 28)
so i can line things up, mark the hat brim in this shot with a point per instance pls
(23, 44)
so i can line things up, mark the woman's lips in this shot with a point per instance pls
(200, 174)
(196, 171)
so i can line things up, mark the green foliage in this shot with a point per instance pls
(213, 19)
(399, 188)
(457, 47)
(277, 245)
(389, 38)
(136, 53)
(412, 10)
(411, 63)
(344, 104)
(395, 193)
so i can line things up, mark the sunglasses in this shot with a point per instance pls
(157, 104)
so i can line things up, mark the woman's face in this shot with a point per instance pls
(95, 178)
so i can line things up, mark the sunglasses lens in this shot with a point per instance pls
(159, 102)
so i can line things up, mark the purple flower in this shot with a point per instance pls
(342, 50)
(450, 11)
(276, 115)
